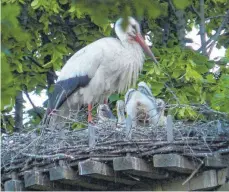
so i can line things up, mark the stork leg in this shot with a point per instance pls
(89, 113)
(105, 101)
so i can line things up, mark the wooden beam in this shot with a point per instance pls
(137, 166)
(222, 176)
(67, 175)
(173, 162)
(215, 162)
(169, 128)
(204, 181)
(224, 187)
(102, 171)
(40, 181)
(14, 185)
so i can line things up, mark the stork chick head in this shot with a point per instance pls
(132, 33)
(104, 112)
(144, 88)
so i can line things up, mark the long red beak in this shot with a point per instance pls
(141, 41)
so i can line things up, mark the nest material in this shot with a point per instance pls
(23, 150)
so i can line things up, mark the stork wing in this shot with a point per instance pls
(63, 89)
(77, 73)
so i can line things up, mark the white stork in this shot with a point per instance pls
(143, 107)
(105, 66)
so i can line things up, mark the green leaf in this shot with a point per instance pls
(181, 4)
(63, 2)
(227, 53)
(114, 97)
(35, 4)
(211, 79)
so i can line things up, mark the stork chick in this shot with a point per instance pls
(142, 106)
(105, 114)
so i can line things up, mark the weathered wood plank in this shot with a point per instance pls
(69, 176)
(173, 162)
(102, 171)
(40, 181)
(222, 176)
(91, 136)
(89, 167)
(137, 166)
(169, 128)
(224, 187)
(14, 185)
(204, 181)
(215, 162)
(130, 163)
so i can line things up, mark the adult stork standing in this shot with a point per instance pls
(105, 66)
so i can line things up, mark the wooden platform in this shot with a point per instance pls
(185, 164)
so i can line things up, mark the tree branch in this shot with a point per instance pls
(39, 65)
(213, 17)
(34, 107)
(180, 24)
(211, 46)
(194, 9)
(202, 28)
(18, 112)
(216, 35)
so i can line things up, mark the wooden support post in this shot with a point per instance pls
(39, 181)
(169, 128)
(137, 166)
(223, 176)
(69, 176)
(91, 136)
(224, 187)
(128, 128)
(102, 171)
(173, 162)
(14, 184)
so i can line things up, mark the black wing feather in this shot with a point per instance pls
(63, 89)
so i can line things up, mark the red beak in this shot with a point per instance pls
(141, 41)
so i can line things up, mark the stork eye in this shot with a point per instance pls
(135, 28)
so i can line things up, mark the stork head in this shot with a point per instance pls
(144, 88)
(132, 33)
(128, 95)
(104, 113)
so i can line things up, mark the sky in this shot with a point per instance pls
(39, 99)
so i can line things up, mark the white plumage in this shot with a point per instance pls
(111, 66)
(143, 107)
(105, 66)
